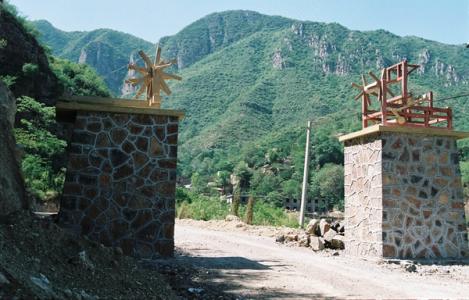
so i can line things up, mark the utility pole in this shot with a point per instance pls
(305, 177)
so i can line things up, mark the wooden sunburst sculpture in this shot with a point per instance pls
(153, 80)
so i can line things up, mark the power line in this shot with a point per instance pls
(453, 97)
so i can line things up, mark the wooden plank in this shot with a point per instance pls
(432, 131)
(147, 110)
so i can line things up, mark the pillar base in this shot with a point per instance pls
(403, 193)
(120, 182)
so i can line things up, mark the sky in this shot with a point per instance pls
(446, 21)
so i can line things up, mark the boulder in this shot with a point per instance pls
(316, 243)
(335, 225)
(329, 235)
(324, 227)
(280, 238)
(303, 240)
(337, 242)
(313, 227)
(12, 191)
(232, 218)
(291, 237)
(341, 227)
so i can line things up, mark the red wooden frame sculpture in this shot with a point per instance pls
(397, 106)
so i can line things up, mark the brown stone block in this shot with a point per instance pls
(401, 169)
(128, 147)
(173, 152)
(142, 144)
(167, 216)
(145, 171)
(120, 119)
(102, 140)
(172, 139)
(457, 205)
(389, 251)
(389, 203)
(156, 148)
(443, 198)
(160, 120)
(172, 128)
(122, 199)
(141, 202)
(118, 135)
(440, 182)
(94, 127)
(166, 189)
(159, 132)
(446, 171)
(135, 129)
(139, 159)
(159, 175)
(422, 254)
(443, 158)
(167, 163)
(118, 157)
(427, 214)
(168, 230)
(436, 251)
(456, 183)
(417, 203)
(143, 217)
(455, 216)
(149, 232)
(143, 119)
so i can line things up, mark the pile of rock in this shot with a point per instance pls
(318, 235)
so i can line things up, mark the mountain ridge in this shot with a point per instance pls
(251, 81)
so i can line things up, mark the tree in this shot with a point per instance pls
(327, 186)
(236, 201)
(250, 210)
(223, 180)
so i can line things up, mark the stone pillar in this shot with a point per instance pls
(121, 176)
(403, 193)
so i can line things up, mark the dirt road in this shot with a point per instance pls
(251, 266)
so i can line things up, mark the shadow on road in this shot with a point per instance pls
(224, 277)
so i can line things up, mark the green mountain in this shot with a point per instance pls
(251, 81)
(107, 51)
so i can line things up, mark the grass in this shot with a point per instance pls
(190, 205)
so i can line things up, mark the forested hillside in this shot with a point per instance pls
(252, 81)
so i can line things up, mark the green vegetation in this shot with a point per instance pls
(250, 84)
(106, 51)
(199, 207)
(79, 79)
(41, 147)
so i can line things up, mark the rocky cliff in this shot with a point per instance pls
(12, 191)
(24, 59)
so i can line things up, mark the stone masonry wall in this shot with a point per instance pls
(417, 211)
(363, 195)
(423, 200)
(120, 181)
